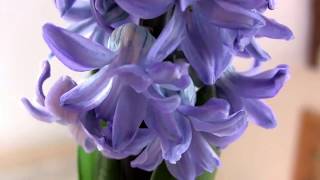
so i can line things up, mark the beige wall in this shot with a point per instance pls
(259, 155)
(270, 154)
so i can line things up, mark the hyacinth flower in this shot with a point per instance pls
(210, 125)
(96, 17)
(211, 32)
(48, 108)
(245, 91)
(132, 77)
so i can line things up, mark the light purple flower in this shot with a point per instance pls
(98, 18)
(244, 91)
(49, 109)
(205, 126)
(125, 84)
(210, 32)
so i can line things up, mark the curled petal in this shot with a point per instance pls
(107, 13)
(107, 108)
(183, 169)
(73, 10)
(142, 139)
(207, 48)
(45, 74)
(134, 76)
(213, 117)
(163, 104)
(90, 93)
(229, 127)
(75, 51)
(173, 130)
(81, 137)
(226, 92)
(150, 158)
(169, 39)
(260, 113)
(229, 15)
(199, 158)
(129, 114)
(66, 115)
(263, 85)
(255, 51)
(214, 110)
(169, 74)
(38, 112)
(251, 4)
(145, 9)
(275, 30)
(223, 142)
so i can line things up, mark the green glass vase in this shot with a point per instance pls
(95, 166)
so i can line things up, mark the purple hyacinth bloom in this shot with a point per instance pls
(125, 84)
(206, 126)
(210, 31)
(244, 91)
(49, 109)
(98, 17)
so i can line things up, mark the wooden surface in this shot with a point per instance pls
(315, 34)
(49, 162)
(308, 157)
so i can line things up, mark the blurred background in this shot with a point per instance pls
(33, 150)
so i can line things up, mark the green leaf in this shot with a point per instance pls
(207, 176)
(95, 166)
(86, 167)
(162, 173)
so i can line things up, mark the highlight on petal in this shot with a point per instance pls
(207, 49)
(107, 13)
(73, 10)
(142, 139)
(173, 130)
(81, 137)
(129, 114)
(173, 76)
(255, 51)
(90, 93)
(169, 39)
(229, 15)
(186, 3)
(75, 51)
(163, 104)
(66, 115)
(134, 76)
(145, 9)
(38, 112)
(263, 85)
(275, 30)
(224, 141)
(132, 41)
(212, 111)
(45, 74)
(251, 4)
(150, 158)
(199, 158)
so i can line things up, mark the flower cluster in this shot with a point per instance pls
(143, 98)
